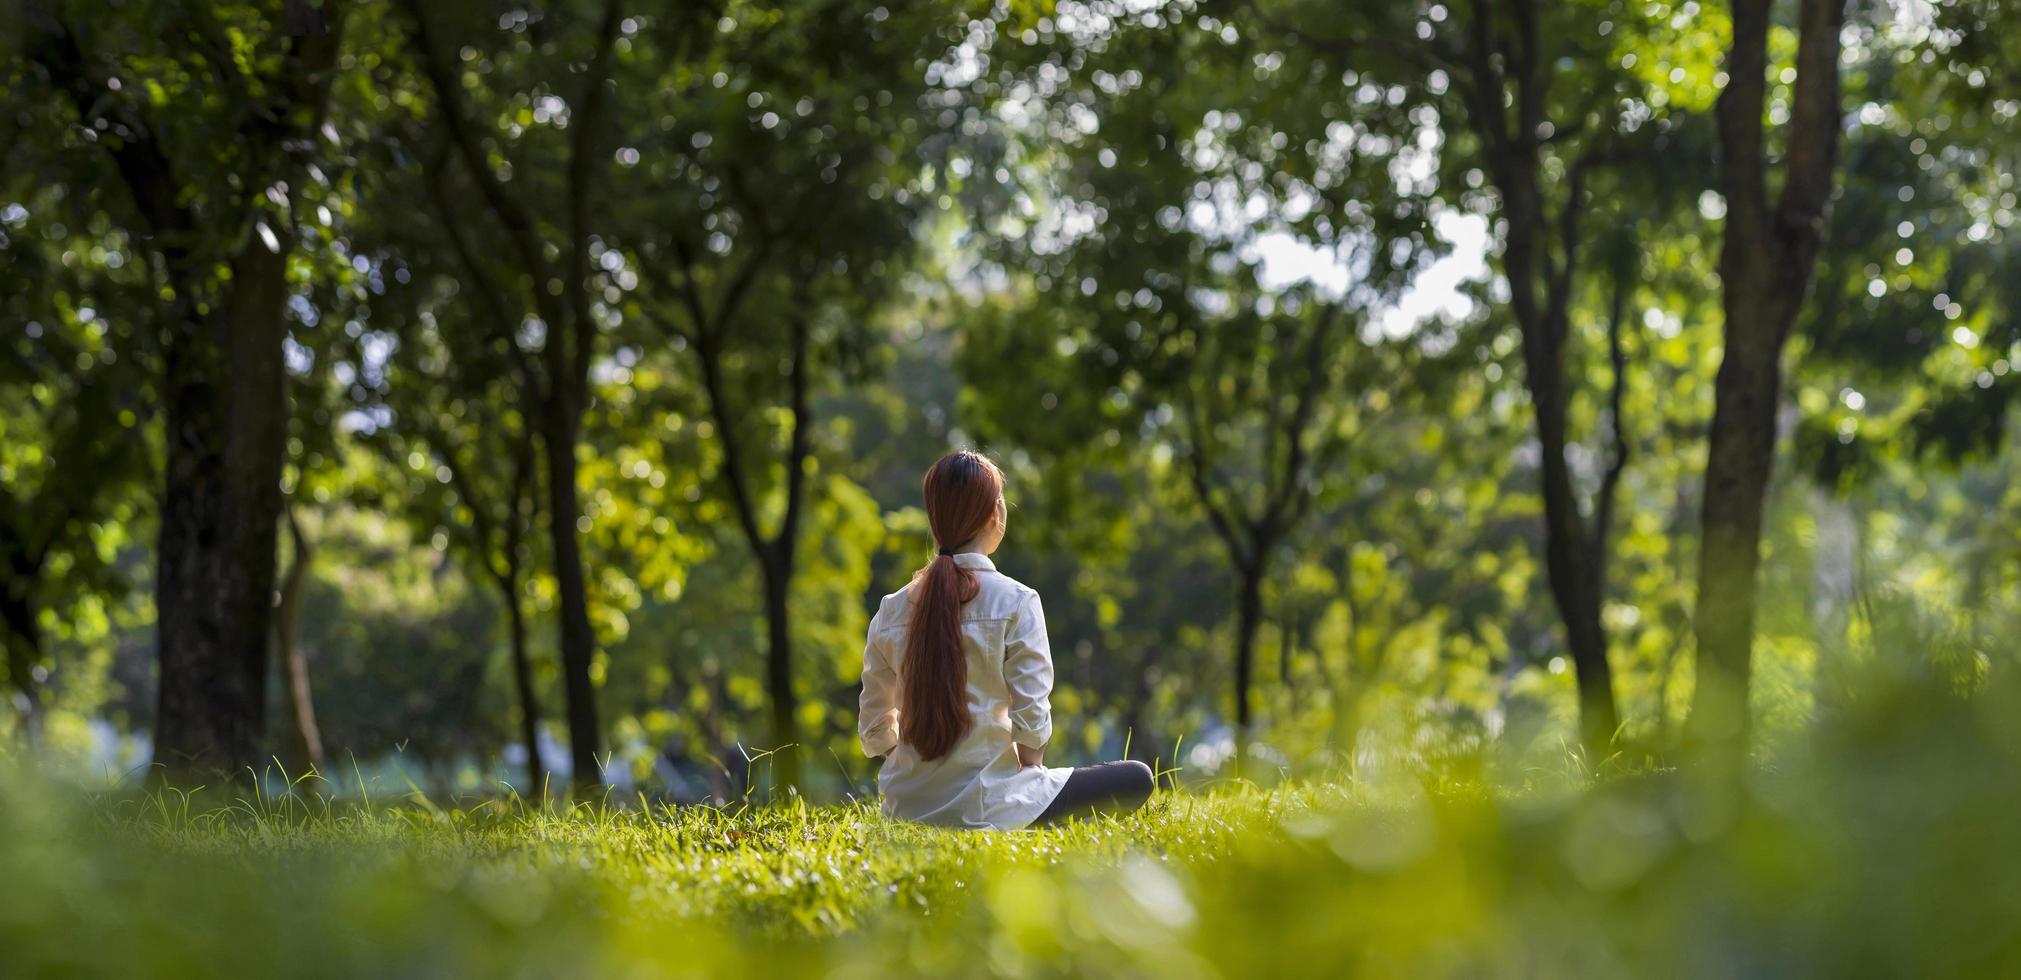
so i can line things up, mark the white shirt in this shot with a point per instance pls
(1010, 685)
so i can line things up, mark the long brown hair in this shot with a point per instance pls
(961, 494)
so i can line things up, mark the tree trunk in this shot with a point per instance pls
(1737, 468)
(221, 502)
(779, 678)
(225, 393)
(23, 640)
(1571, 560)
(304, 745)
(224, 407)
(1765, 266)
(1576, 591)
(1287, 642)
(522, 682)
(1570, 563)
(1248, 618)
(578, 640)
(1540, 295)
(776, 555)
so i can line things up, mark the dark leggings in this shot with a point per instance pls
(1112, 787)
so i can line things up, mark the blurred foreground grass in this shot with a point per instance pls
(1882, 843)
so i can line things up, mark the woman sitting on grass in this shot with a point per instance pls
(957, 681)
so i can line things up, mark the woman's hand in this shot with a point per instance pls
(1029, 757)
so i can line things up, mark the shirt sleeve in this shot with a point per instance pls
(1028, 673)
(877, 707)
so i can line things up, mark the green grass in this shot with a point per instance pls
(1885, 843)
(311, 888)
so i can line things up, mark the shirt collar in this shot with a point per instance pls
(976, 560)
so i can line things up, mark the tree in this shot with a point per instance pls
(1302, 430)
(401, 643)
(303, 742)
(774, 551)
(456, 390)
(1546, 102)
(1155, 319)
(449, 387)
(77, 369)
(556, 290)
(72, 462)
(782, 158)
(1766, 266)
(212, 195)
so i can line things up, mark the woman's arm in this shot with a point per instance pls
(877, 707)
(1028, 673)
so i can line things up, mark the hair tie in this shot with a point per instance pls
(947, 551)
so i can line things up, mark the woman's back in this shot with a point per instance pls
(1009, 679)
(958, 680)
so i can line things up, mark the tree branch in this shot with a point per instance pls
(1333, 453)
(1561, 271)
(490, 293)
(797, 442)
(1743, 167)
(709, 353)
(13, 541)
(143, 166)
(1603, 510)
(1533, 77)
(1491, 120)
(459, 480)
(1301, 415)
(1813, 123)
(518, 223)
(688, 291)
(582, 158)
(525, 498)
(1203, 488)
(1434, 56)
(740, 284)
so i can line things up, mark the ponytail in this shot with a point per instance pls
(933, 715)
(962, 491)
